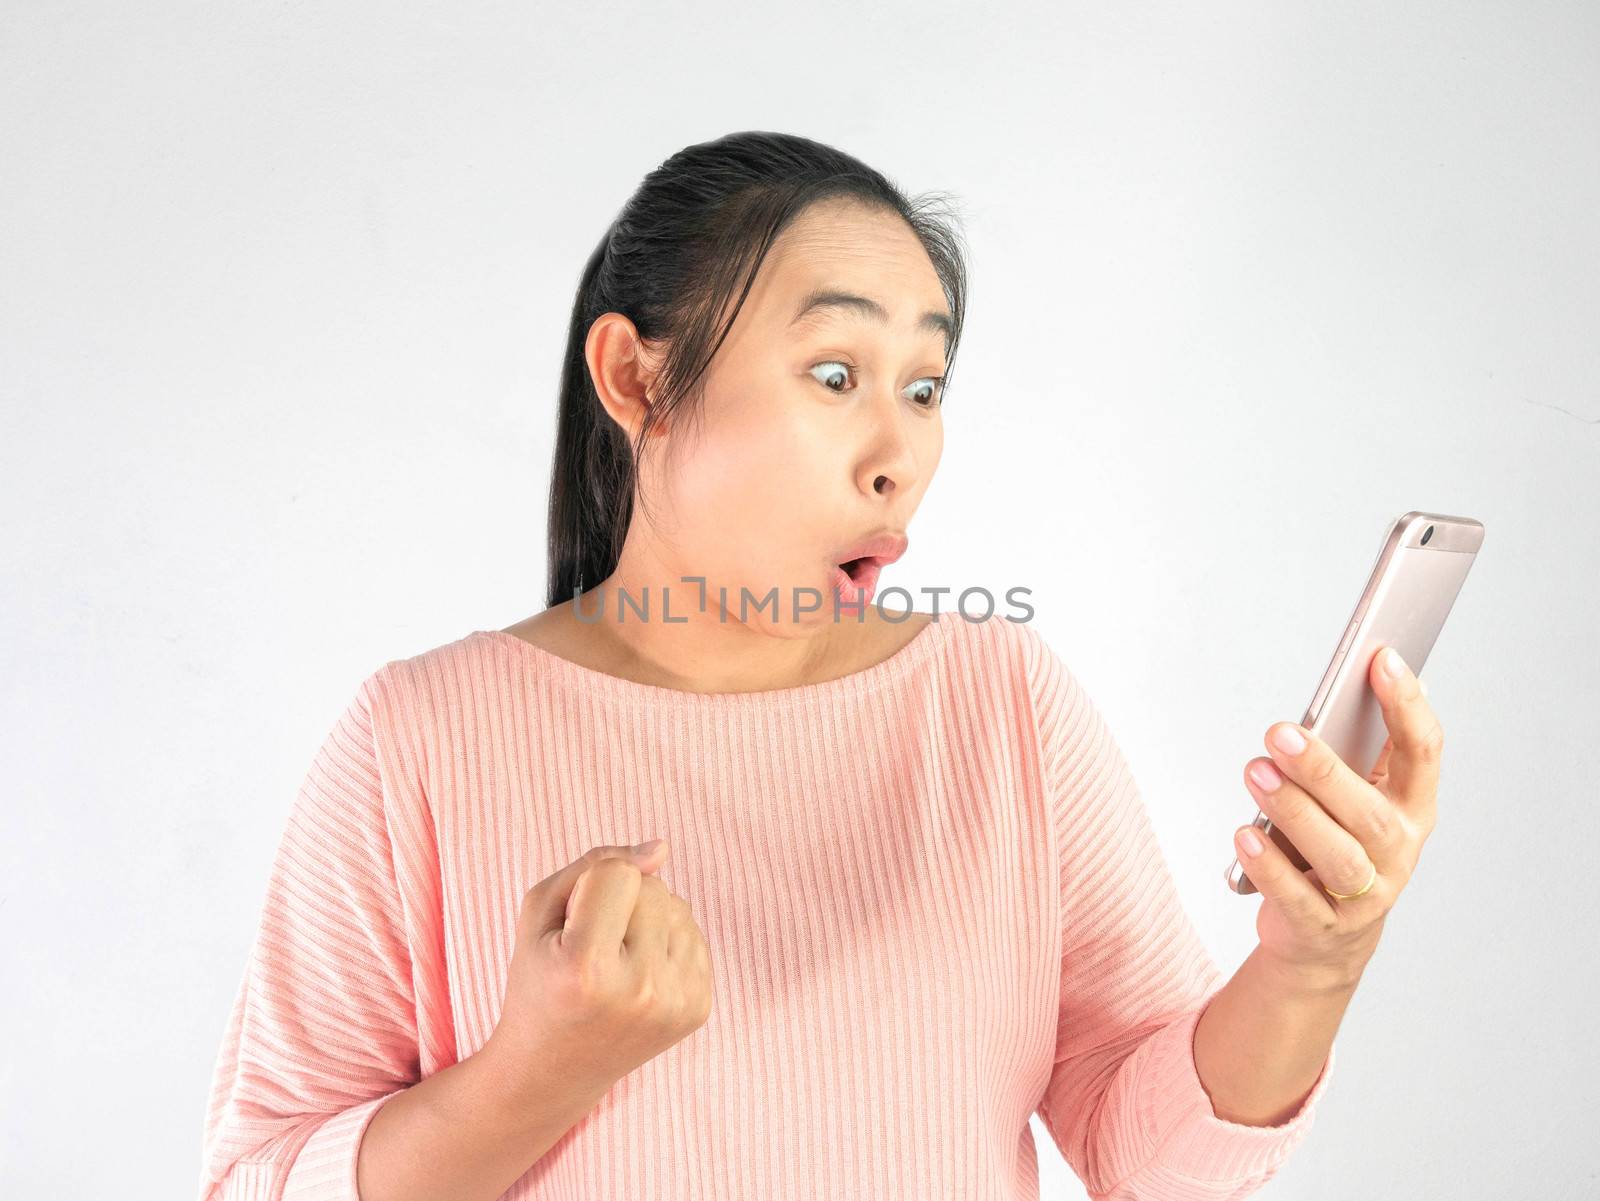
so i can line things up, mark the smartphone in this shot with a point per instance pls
(1420, 569)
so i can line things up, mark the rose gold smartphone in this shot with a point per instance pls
(1423, 563)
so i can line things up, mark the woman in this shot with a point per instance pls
(906, 892)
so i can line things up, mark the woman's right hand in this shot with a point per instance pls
(609, 969)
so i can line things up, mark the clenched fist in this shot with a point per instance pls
(609, 970)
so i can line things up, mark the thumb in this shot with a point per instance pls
(652, 853)
(547, 901)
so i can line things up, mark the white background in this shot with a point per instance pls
(284, 293)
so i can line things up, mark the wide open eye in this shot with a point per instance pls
(930, 387)
(836, 369)
(935, 390)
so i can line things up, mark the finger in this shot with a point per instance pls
(1354, 803)
(1335, 853)
(648, 927)
(1415, 730)
(550, 898)
(1280, 881)
(1380, 773)
(679, 941)
(602, 905)
(1380, 769)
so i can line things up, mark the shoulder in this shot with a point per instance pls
(1066, 722)
(409, 715)
(1014, 651)
(418, 693)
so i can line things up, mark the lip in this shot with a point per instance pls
(853, 592)
(876, 551)
(882, 548)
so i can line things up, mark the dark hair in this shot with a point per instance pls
(698, 226)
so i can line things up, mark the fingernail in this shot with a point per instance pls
(1266, 776)
(1392, 662)
(1250, 841)
(1288, 740)
(644, 848)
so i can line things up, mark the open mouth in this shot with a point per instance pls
(855, 581)
(857, 569)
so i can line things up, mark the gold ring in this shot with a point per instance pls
(1345, 896)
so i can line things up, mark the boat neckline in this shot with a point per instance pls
(592, 682)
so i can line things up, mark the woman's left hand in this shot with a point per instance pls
(1350, 830)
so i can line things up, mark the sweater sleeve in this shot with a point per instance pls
(323, 1027)
(1124, 1102)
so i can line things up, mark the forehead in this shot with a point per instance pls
(843, 262)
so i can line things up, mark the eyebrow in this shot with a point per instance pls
(932, 321)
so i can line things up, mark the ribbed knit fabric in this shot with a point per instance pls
(933, 897)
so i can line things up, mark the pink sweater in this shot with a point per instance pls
(933, 897)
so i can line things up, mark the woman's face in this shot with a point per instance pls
(818, 431)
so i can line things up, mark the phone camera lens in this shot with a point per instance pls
(1426, 534)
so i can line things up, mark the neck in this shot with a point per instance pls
(646, 623)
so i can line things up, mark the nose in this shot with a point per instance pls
(889, 462)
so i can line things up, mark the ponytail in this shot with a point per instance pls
(592, 481)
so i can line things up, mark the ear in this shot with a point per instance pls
(623, 368)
